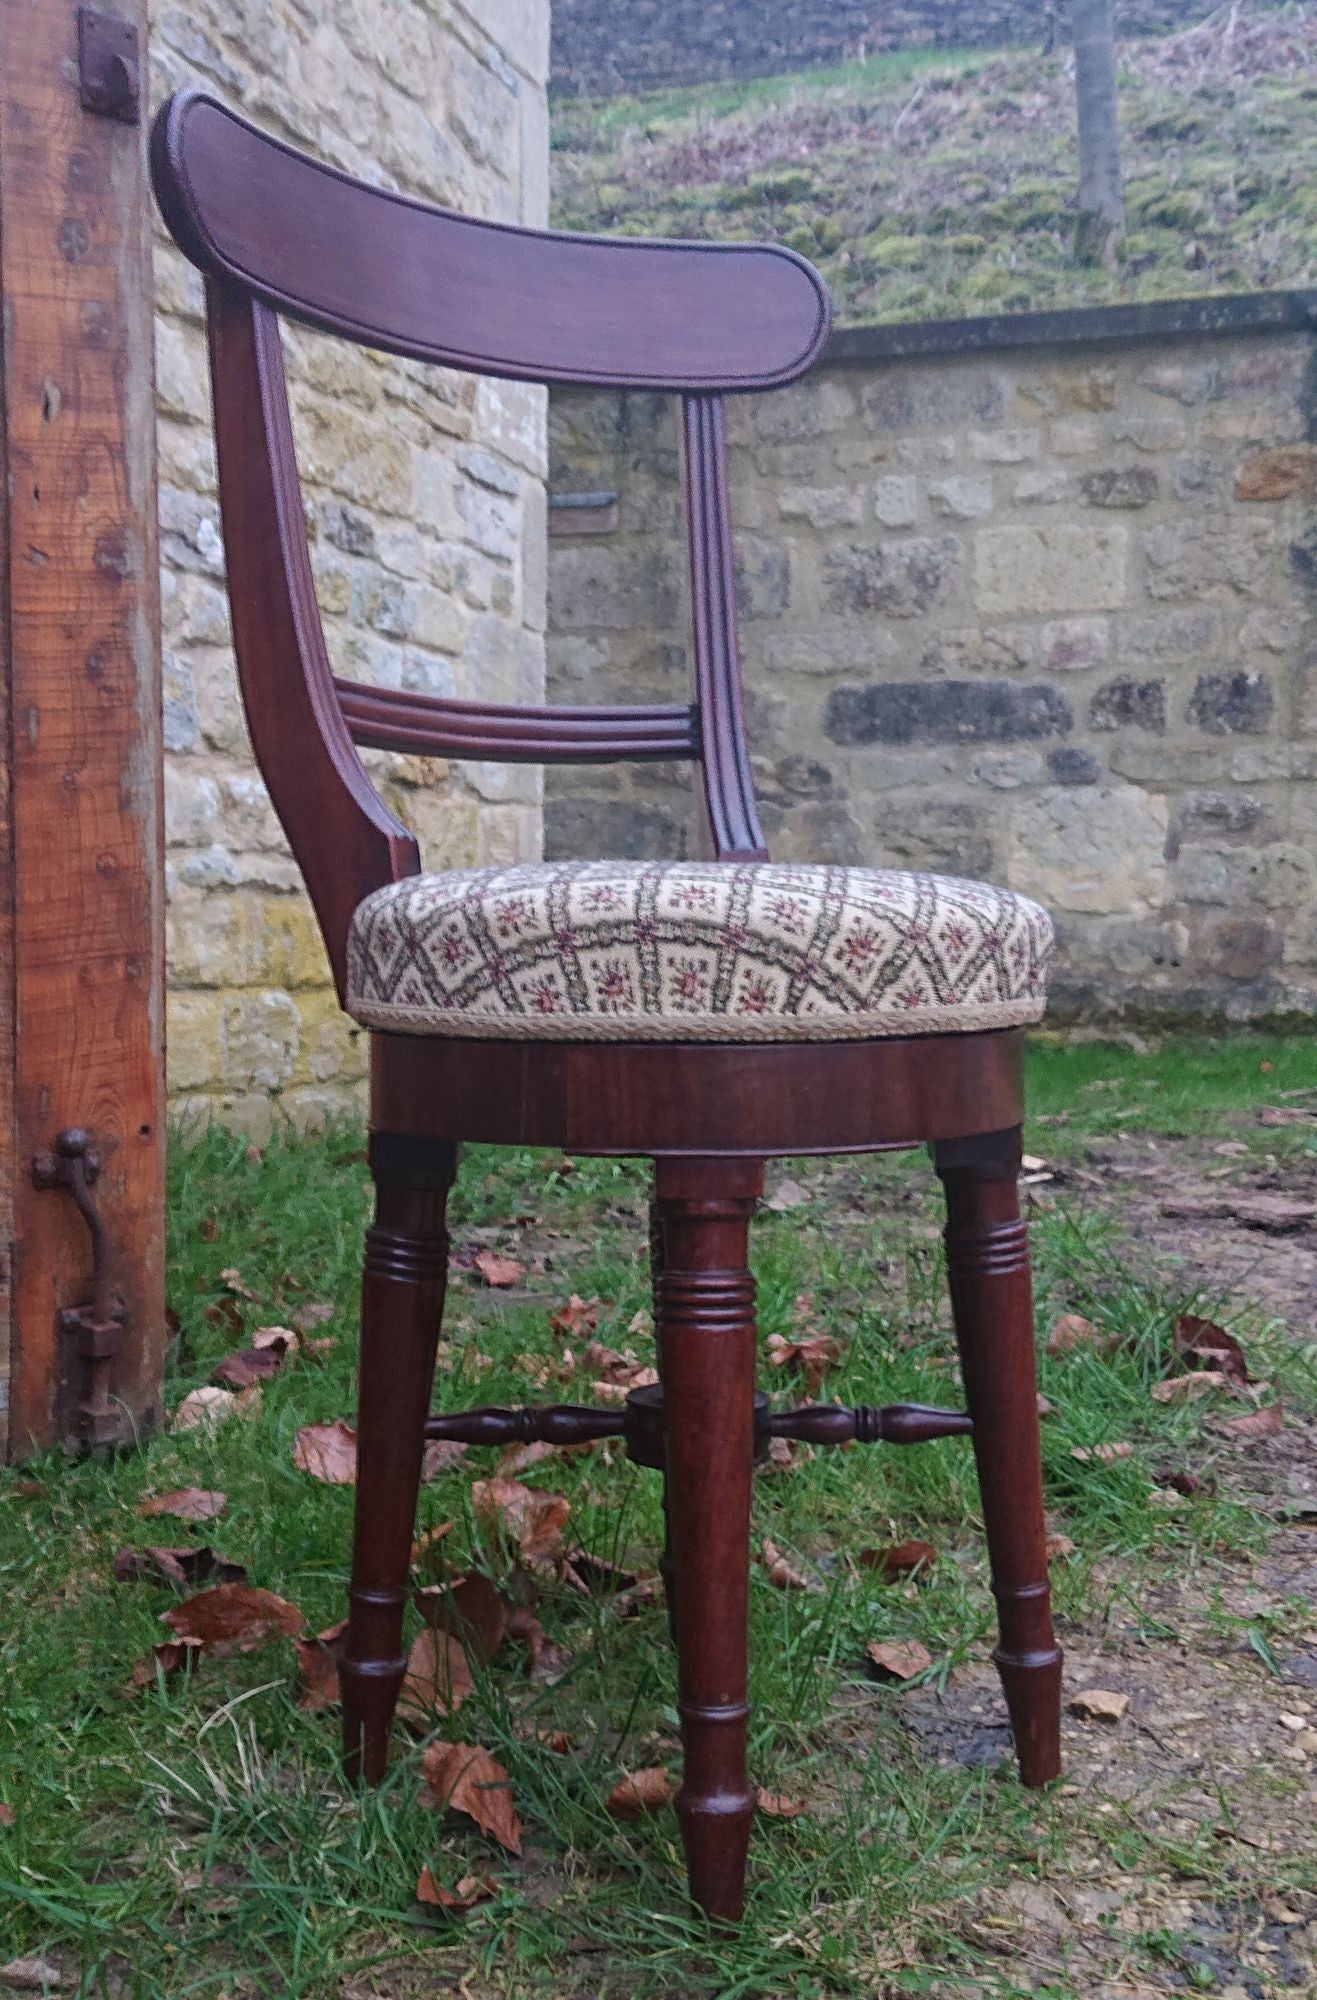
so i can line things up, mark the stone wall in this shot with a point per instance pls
(425, 500)
(1042, 612)
(601, 49)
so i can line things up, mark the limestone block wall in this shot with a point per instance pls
(1041, 611)
(425, 505)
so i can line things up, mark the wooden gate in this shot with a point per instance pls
(81, 905)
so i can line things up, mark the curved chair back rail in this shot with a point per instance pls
(418, 280)
(276, 232)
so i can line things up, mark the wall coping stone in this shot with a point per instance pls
(1229, 313)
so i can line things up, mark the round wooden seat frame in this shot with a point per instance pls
(278, 234)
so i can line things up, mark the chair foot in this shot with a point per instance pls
(402, 1301)
(706, 1330)
(992, 1303)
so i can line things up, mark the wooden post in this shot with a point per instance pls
(81, 908)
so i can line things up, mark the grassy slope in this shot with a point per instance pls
(197, 1841)
(927, 187)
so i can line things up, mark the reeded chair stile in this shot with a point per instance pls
(706, 1015)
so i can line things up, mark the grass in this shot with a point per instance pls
(929, 184)
(195, 1840)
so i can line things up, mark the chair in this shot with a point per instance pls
(707, 1015)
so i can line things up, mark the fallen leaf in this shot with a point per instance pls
(498, 1272)
(328, 1452)
(188, 1503)
(640, 1792)
(1046, 1407)
(788, 1194)
(8, 1817)
(1262, 1423)
(901, 1659)
(426, 1545)
(900, 1560)
(1190, 1388)
(473, 1609)
(234, 1618)
(576, 1320)
(1099, 1705)
(1059, 1548)
(811, 1356)
(1201, 1342)
(232, 1281)
(468, 1780)
(1274, 1114)
(591, 1574)
(183, 1567)
(317, 1666)
(547, 1662)
(441, 1455)
(1187, 1483)
(472, 1889)
(247, 1365)
(515, 1458)
(32, 1975)
(1100, 1454)
(776, 1805)
(782, 1453)
(309, 1316)
(204, 1409)
(438, 1678)
(782, 1574)
(1072, 1331)
(171, 1657)
(532, 1521)
(277, 1339)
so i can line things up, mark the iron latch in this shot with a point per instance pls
(109, 65)
(97, 1328)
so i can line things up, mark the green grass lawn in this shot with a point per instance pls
(928, 184)
(194, 1838)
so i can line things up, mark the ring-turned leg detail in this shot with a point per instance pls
(706, 1330)
(992, 1302)
(402, 1302)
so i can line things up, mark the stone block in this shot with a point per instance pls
(919, 398)
(945, 712)
(896, 500)
(1169, 638)
(1206, 555)
(821, 506)
(192, 1040)
(961, 498)
(1051, 568)
(1073, 645)
(896, 579)
(621, 829)
(1125, 486)
(1005, 447)
(1099, 850)
(1072, 766)
(1286, 472)
(1126, 703)
(1237, 703)
(259, 1040)
(1042, 486)
(912, 829)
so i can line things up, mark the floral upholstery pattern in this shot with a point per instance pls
(694, 951)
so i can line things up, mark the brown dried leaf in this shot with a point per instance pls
(547, 1662)
(8, 1817)
(468, 1780)
(788, 1194)
(1263, 1423)
(1099, 1705)
(811, 1356)
(1059, 1548)
(498, 1272)
(187, 1503)
(204, 1409)
(328, 1452)
(247, 1365)
(1187, 1483)
(171, 1657)
(776, 1805)
(472, 1609)
(441, 1455)
(590, 1574)
(782, 1574)
(900, 1560)
(899, 1659)
(317, 1666)
(1072, 1331)
(309, 1316)
(1100, 1454)
(1190, 1388)
(234, 1618)
(532, 1521)
(576, 1320)
(183, 1567)
(232, 1281)
(472, 1889)
(515, 1458)
(1201, 1343)
(640, 1792)
(438, 1678)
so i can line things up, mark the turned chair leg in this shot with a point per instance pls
(706, 1333)
(402, 1302)
(992, 1302)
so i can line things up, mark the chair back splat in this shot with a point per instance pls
(279, 234)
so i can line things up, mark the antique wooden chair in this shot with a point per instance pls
(707, 1014)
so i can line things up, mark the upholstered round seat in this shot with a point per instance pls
(694, 951)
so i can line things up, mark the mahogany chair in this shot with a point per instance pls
(707, 1015)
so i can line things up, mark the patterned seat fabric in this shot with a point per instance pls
(694, 951)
